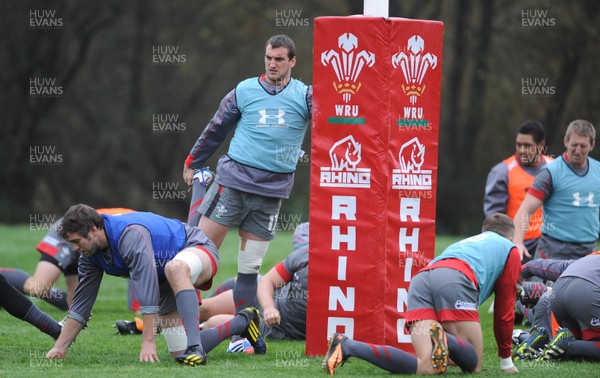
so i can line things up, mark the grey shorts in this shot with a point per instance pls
(551, 248)
(234, 208)
(166, 303)
(575, 303)
(442, 294)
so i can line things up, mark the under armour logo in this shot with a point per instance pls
(273, 118)
(582, 200)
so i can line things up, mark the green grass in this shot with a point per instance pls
(99, 352)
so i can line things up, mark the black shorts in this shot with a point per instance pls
(69, 270)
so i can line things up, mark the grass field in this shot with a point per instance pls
(100, 352)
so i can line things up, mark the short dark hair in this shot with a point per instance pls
(282, 40)
(80, 219)
(500, 224)
(533, 128)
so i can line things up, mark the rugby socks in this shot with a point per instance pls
(187, 305)
(42, 321)
(214, 336)
(227, 285)
(462, 353)
(586, 349)
(57, 298)
(19, 306)
(13, 300)
(389, 358)
(17, 278)
(244, 292)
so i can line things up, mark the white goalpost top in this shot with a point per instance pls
(380, 8)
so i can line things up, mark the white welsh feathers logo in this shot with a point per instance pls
(410, 175)
(414, 67)
(345, 154)
(347, 63)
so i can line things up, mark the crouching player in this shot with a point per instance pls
(164, 258)
(57, 257)
(442, 308)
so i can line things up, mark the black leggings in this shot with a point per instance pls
(13, 301)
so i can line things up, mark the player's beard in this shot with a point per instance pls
(92, 248)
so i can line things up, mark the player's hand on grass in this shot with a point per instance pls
(271, 316)
(148, 352)
(57, 353)
(511, 370)
(507, 366)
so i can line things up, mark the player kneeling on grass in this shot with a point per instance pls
(442, 308)
(165, 259)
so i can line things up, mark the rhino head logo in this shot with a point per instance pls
(411, 156)
(345, 154)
